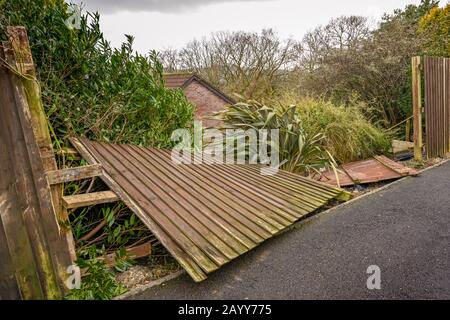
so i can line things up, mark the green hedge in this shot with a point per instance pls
(94, 90)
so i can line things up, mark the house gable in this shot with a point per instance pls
(206, 98)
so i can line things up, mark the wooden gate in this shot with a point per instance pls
(437, 106)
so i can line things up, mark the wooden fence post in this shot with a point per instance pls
(417, 107)
(25, 206)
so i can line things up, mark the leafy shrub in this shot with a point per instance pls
(94, 90)
(435, 25)
(302, 151)
(99, 283)
(321, 127)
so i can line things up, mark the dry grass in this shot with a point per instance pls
(349, 136)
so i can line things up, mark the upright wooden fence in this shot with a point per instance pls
(34, 252)
(437, 106)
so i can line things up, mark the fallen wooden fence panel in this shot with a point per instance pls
(205, 215)
(378, 168)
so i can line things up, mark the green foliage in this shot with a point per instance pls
(303, 151)
(91, 89)
(343, 131)
(410, 14)
(435, 25)
(99, 282)
(348, 135)
(120, 227)
(404, 26)
(344, 59)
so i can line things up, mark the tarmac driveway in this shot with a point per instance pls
(404, 230)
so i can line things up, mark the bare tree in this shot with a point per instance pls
(345, 59)
(248, 63)
(342, 61)
(169, 59)
(340, 35)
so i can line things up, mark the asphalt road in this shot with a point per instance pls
(405, 230)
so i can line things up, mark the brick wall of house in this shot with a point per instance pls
(206, 103)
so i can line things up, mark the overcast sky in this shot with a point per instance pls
(160, 24)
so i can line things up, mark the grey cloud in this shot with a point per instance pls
(164, 6)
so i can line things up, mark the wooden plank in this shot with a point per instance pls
(446, 100)
(25, 65)
(408, 130)
(9, 289)
(70, 153)
(395, 166)
(140, 251)
(73, 174)
(440, 105)
(166, 175)
(196, 210)
(417, 107)
(230, 228)
(429, 110)
(399, 146)
(89, 199)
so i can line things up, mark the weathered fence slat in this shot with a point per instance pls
(21, 219)
(9, 290)
(74, 174)
(62, 238)
(89, 199)
(417, 107)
